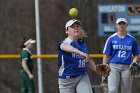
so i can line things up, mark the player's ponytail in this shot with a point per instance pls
(83, 34)
(22, 44)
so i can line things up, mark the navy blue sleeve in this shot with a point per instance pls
(83, 44)
(59, 45)
(85, 48)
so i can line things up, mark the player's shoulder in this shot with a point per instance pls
(112, 36)
(66, 40)
(130, 36)
(81, 40)
(24, 51)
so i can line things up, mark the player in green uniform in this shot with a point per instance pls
(26, 61)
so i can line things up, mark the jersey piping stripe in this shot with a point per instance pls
(61, 70)
(130, 36)
(108, 40)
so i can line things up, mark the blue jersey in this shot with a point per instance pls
(120, 50)
(71, 64)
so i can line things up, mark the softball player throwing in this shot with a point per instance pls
(118, 52)
(27, 84)
(72, 61)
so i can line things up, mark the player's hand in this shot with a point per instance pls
(31, 76)
(86, 57)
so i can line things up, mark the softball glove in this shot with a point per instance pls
(103, 70)
(135, 69)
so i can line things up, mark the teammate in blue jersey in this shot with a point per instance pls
(73, 59)
(118, 51)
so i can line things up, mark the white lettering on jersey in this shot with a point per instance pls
(74, 55)
(122, 47)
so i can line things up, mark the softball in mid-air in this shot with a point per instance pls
(73, 12)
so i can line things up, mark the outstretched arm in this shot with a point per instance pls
(91, 65)
(68, 48)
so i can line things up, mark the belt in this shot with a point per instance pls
(67, 77)
(119, 63)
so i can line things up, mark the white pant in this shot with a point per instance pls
(119, 73)
(80, 84)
